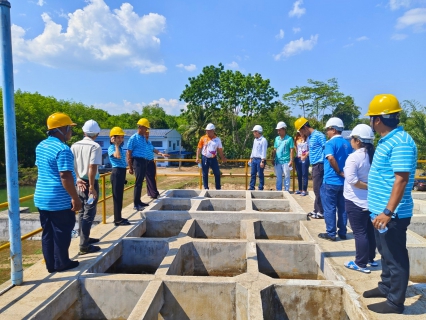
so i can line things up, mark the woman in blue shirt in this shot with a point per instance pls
(118, 174)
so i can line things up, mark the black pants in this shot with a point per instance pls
(302, 169)
(151, 184)
(392, 246)
(139, 167)
(317, 177)
(365, 241)
(87, 214)
(56, 237)
(210, 163)
(118, 177)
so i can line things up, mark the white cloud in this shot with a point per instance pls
(414, 17)
(296, 30)
(297, 46)
(297, 11)
(363, 38)
(232, 65)
(40, 3)
(95, 38)
(190, 67)
(280, 35)
(396, 4)
(171, 106)
(348, 45)
(398, 36)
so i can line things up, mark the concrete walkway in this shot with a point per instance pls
(343, 250)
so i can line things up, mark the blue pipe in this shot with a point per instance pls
(10, 143)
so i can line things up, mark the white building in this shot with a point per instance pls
(164, 140)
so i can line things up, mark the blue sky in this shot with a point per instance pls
(120, 56)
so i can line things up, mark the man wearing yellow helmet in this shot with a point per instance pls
(390, 182)
(55, 195)
(136, 159)
(316, 143)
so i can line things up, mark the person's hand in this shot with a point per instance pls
(290, 164)
(93, 192)
(197, 160)
(130, 170)
(381, 221)
(81, 185)
(262, 164)
(342, 174)
(76, 204)
(224, 160)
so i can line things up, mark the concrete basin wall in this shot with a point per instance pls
(283, 230)
(205, 229)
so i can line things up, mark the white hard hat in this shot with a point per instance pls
(210, 126)
(281, 125)
(363, 132)
(257, 128)
(335, 123)
(91, 126)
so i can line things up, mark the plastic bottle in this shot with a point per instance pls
(200, 165)
(91, 199)
(381, 230)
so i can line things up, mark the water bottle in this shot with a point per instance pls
(249, 163)
(91, 199)
(200, 165)
(381, 230)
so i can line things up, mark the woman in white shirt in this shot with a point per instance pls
(356, 170)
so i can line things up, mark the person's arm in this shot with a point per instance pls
(222, 156)
(117, 153)
(263, 157)
(93, 169)
(129, 160)
(398, 188)
(67, 181)
(351, 174)
(291, 156)
(197, 159)
(335, 166)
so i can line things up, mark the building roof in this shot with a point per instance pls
(159, 133)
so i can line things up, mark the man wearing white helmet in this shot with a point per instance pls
(209, 145)
(336, 151)
(87, 157)
(258, 157)
(283, 156)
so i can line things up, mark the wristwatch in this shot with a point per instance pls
(388, 212)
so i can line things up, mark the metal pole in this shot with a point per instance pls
(104, 202)
(10, 144)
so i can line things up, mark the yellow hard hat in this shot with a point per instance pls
(143, 122)
(117, 131)
(59, 119)
(383, 104)
(299, 123)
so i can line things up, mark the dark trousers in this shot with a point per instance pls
(139, 167)
(206, 164)
(256, 169)
(302, 169)
(151, 184)
(118, 177)
(317, 177)
(87, 214)
(365, 241)
(56, 237)
(392, 246)
(332, 201)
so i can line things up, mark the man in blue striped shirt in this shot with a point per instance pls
(316, 143)
(390, 182)
(55, 195)
(137, 153)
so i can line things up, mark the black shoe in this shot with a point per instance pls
(89, 249)
(342, 237)
(143, 204)
(51, 270)
(93, 240)
(374, 293)
(71, 265)
(122, 223)
(383, 307)
(326, 237)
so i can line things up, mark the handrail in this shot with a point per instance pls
(104, 197)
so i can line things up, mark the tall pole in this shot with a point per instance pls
(10, 143)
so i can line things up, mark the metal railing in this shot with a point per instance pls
(199, 174)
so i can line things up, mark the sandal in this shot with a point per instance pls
(352, 265)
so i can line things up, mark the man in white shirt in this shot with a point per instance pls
(87, 157)
(258, 157)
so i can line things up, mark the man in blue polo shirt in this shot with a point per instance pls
(336, 151)
(316, 143)
(390, 182)
(136, 159)
(55, 195)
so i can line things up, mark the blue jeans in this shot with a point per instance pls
(392, 246)
(256, 169)
(280, 170)
(212, 163)
(332, 200)
(302, 170)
